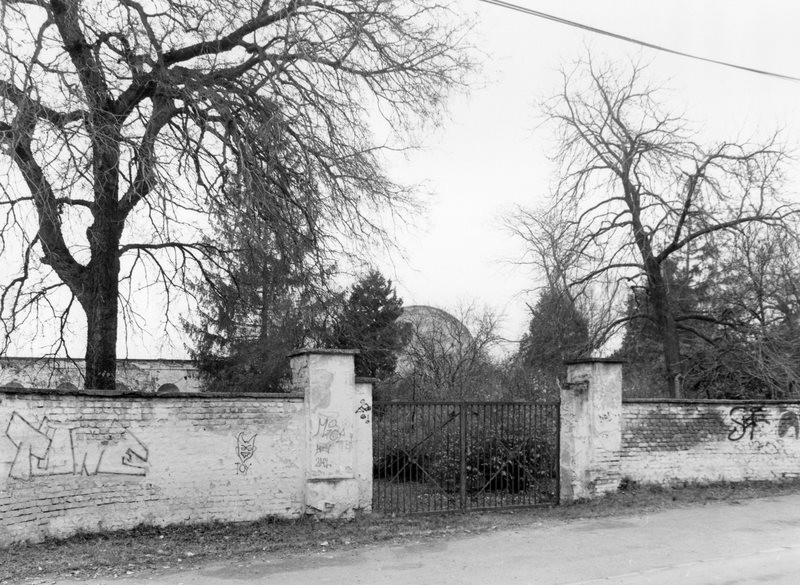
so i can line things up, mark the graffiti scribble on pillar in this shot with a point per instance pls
(746, 418)
(328, 429)
(327, 435)
(245, 449)
(363, 409)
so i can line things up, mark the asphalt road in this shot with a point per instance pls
(757, 541)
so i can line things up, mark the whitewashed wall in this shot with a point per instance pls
(91, 461)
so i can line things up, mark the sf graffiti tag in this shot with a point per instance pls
(744, 419)
(748, 419)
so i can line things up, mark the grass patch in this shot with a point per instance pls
(148, 549)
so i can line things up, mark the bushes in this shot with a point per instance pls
(510, 465)
(399, 466)
(503, 452)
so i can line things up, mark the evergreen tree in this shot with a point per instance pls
(272, 299)
(738, 329)
(368, 323)
(689, 285)
(558, 331)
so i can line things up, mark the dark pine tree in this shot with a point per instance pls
(557, 332)
(368, 323)
(273, 298)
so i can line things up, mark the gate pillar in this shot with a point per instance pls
(333, 410)
(591, 434)
(363, 437)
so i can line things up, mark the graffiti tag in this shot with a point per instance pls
(363, 409)
(48, 449)
(788, 421)
(328, 435)
(746, 419)
(322, 462)
(245, 449)
(328, 428)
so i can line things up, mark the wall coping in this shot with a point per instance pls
(689, 401)
(594, 360)
(288, 396)
(322, 351)
(182, 361)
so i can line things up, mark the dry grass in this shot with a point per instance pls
(146, 550)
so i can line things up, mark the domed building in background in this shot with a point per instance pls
(443, 359)
(440, 361)
(431, 326)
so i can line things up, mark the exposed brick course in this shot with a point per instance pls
(73, 463)
(703, 441)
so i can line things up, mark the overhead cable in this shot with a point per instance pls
(627, 39)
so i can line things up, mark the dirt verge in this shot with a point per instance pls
(148, 550)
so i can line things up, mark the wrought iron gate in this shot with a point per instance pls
(440, 456)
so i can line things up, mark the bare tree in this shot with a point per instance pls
(448, 357)
(638, 190)
(551, 248)
(760, 291)
(123, 123)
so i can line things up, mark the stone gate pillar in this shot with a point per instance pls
(333, 441)
(591, 433)
(363, 435)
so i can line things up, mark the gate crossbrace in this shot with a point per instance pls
(533, 466)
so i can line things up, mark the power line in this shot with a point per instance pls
(627, 39)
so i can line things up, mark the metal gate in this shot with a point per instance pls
(440, 456)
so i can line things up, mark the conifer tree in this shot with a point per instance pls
(368, 323)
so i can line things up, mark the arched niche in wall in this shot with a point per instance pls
(65, 385)
(13, 384)
(167, 388)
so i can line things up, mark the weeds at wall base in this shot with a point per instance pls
(147, 550)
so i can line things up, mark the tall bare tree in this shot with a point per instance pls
(123, 122)
(639, 190)
(552, 249)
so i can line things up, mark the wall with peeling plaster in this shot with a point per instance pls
(673, 441)
(86, 461)
(606, 442)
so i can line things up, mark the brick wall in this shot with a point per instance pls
(75, 461)
(668, 441)
(606, 441)
(71, 462)
(143, 376)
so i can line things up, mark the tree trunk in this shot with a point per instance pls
(658, 291)
(667, 329)
(101, 316)
(102, 279)
(266, 291)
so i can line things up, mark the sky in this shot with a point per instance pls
(489, 153)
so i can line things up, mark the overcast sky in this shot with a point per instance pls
(489, 155)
